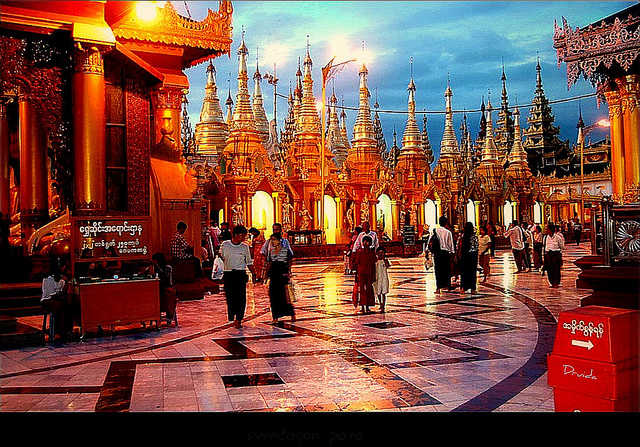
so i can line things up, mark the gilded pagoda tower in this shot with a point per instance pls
(448, 174)
(426, 144)
(412, 170)
(212, 131)
(262, 124)
(518, 175)
(363, 157)
(244, 155)
(377, 131)
(541, 137)
(343, 128)
(490, 174)
(504, 124)
(304, 163)
(335, 139)
(229, 104)
(482, 131)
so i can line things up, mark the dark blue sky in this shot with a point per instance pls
(468, 40)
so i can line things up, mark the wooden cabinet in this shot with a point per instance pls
(111, 303)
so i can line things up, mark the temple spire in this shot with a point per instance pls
(377, 130)
(243, 114)
(335, 140)
(449, 144)
(489, 152)
(308, 119)
(343, 127)
(262, 123)
(363, 127)
(229, 104)
(212, 130)
(517, 154)
(426, 144)
(411, 140)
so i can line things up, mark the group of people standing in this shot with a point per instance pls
(367, 260)
(460, 255)
(547, 249)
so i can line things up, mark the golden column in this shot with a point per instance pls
(33, 168)
(277, 207)
(617, 143)
(395, 220)
(89, 126)
(339, 220)
(5, 204)
(630, 92)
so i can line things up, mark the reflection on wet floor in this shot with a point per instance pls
(427, 352)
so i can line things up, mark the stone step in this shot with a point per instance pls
(8, 323)
(23, 311)
(20, 289)
(21, 337)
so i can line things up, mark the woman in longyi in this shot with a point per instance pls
(365, 264)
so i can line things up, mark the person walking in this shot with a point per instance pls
(553, 246)
(168, 297)
(365, 263)
(237, 258)
(577, 230)
(491, 231)
(381, 286)
(441, 246)
(516, 239)
(366, 231)
(278, 272)
(484, 251)
(468, 259)
(257, 242)
(351, 254)
(528, 244)
(537, 248)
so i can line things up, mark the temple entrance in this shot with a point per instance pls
(430, 213)
(537, 213)
(507, 214)
(471, 212)
(330, 219)
(262, 212)
(383, 215)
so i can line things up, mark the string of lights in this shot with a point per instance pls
(442, 112)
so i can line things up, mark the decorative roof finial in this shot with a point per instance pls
(411, 66)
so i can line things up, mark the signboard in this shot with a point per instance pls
(603, 334)
(111, 238)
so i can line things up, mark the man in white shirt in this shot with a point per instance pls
(516, 238)
(54, 301)
(237, 258)
(366, 231)
(442, 249)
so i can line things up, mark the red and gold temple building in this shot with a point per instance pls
(90, 108)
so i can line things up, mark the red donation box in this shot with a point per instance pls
(594, 362)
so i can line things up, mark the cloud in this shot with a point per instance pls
(468, 40)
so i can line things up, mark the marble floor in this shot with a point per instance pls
(484, 352)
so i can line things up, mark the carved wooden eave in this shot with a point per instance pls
(266, 175)
(83, 20)
(201, 40)
(586, 50)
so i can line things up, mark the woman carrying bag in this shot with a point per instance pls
(278, 260)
